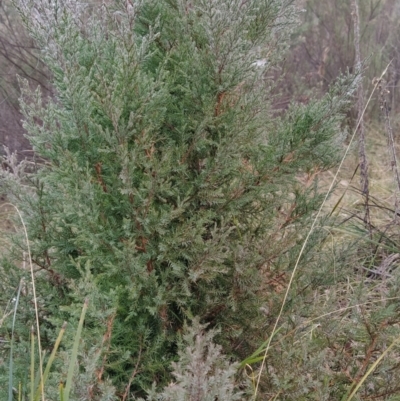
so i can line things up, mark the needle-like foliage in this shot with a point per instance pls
(168, 187)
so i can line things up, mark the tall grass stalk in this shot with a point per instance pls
(11, 364)
(64, 393)
(32, 367)
(49, 364)
(305, 242)
(34, 296)
(38, 381)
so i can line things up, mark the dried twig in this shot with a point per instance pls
(390, 141)
(360, 107)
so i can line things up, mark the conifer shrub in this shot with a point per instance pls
(202, 372)
(165, 188)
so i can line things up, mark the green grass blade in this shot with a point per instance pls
(11, 365)
(62, 392)
(74, 355)
(50, 361)
(256, 355)
(38, 377)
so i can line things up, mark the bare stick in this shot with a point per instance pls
(390, 141)
(362, 155)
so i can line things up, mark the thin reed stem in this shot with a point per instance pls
(34, 297)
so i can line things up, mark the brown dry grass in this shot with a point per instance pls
(346, 199)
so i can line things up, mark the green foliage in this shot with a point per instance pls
(168, 188)
(202, 372)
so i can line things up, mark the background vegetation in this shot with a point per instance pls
(203, 267)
